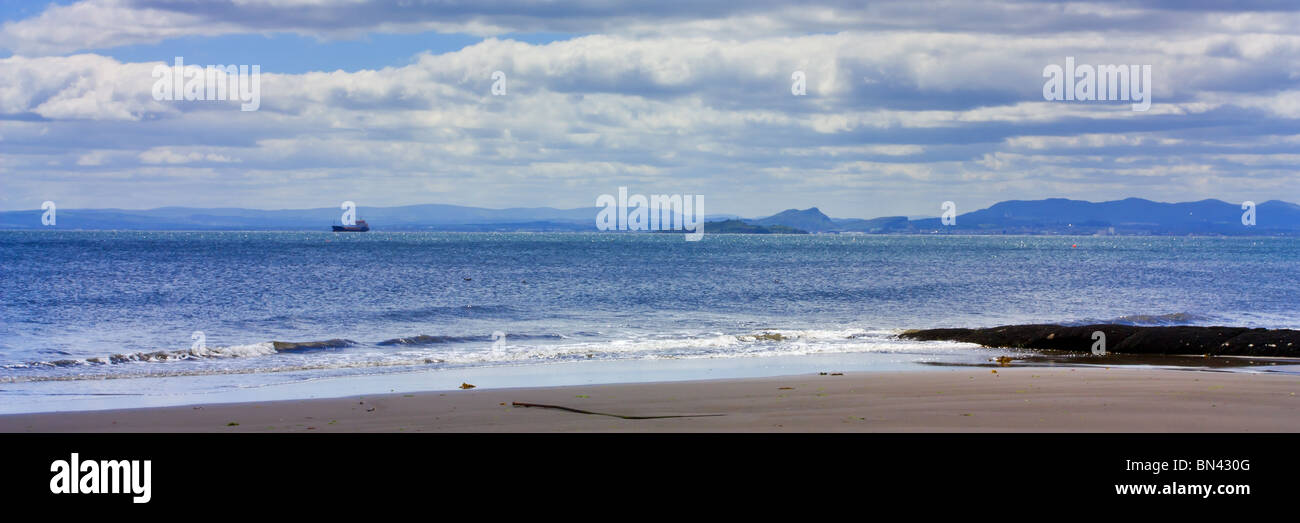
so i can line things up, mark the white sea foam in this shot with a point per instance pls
(232, 351)
(764, 343)
(682, 345)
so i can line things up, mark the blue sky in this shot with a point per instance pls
(908, 104)
(296, 54)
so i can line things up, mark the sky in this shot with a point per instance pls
(908, 104)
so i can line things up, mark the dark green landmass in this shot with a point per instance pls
(741, 227)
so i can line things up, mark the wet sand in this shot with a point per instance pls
(968, 400)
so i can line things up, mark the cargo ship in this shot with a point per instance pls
(359, 227)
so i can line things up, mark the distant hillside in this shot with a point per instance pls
(411, 217)
(1128, 216)
(811, 220)
(882, 225)
(1132, 216)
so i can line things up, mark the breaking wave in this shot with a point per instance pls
(425, 350)
(196, 353)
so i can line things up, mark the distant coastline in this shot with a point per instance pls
(1128, 217)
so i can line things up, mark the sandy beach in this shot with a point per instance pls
(970, 400)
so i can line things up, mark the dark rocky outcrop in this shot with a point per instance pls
(1128, 339)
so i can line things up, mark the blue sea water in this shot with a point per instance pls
(116, 313)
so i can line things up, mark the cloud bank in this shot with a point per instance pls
(907, 105)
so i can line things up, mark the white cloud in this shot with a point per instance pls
(97, 24)
(76, 87)
(164, 155)
(101, 24)
(886, 110)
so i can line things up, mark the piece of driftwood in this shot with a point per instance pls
(580, 411)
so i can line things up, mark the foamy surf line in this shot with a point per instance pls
(449, 351)
(195, 353)
(255, 349)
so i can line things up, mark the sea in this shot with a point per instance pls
(102, 319)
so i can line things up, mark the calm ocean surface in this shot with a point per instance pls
(87, 313)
